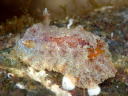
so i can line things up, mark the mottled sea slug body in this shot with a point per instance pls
(79, 55)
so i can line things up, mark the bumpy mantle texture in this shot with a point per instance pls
(74, 51)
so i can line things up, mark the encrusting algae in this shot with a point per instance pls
(79, 55)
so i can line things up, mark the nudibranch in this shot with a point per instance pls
(82, 57)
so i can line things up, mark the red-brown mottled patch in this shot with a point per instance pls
(72, 41)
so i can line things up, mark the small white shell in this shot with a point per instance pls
(67, 84)
(20, 86)
(70, 23)
(94, 91)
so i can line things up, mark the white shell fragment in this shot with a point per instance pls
(10, 75)
(94, 91)
(20, 86)
(70, 23)
(67, 84)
